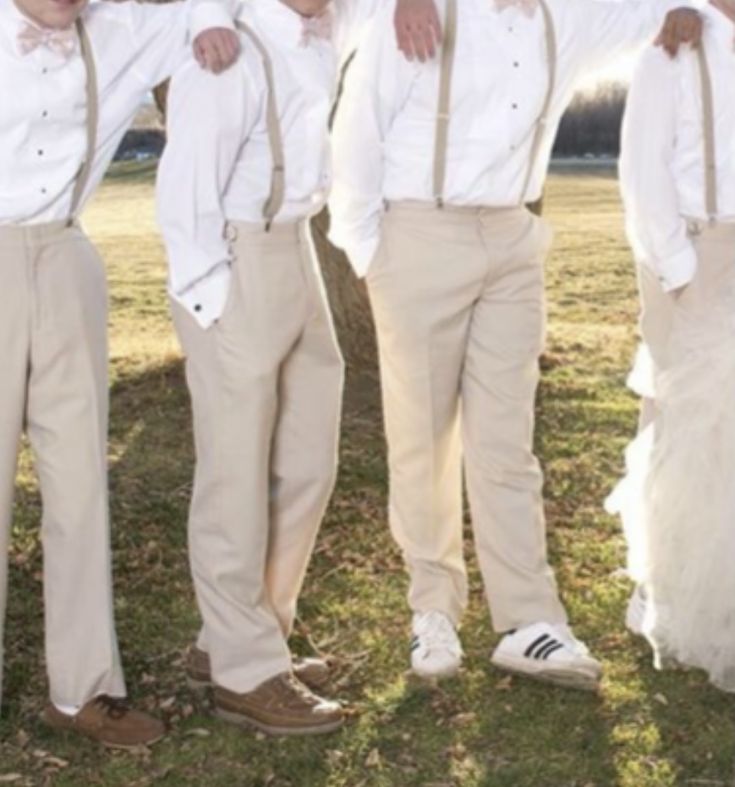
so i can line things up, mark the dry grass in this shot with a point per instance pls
(646, 729)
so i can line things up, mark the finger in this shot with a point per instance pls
(436, 24)
(694, 31)
(405, 44)
(223, 59)
(199, 55)
(668, 37)
(231, 48)
(429, 43)
(419, 44)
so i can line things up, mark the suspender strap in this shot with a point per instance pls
(441, 139)
(541, 123)
(85, 170)
(710, 148)
(341, 87)
(274, 203)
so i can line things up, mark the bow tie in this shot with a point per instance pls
(314, 28)
(528, 7)
(61, 42)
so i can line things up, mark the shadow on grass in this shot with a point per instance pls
(479, 729)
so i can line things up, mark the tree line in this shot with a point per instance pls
(591, 126)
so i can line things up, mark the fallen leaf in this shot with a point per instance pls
(373, 759)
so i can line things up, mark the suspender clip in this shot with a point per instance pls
(268, 225)
(440, 203)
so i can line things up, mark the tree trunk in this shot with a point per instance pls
(349, 301)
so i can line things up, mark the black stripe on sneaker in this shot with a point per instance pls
(415, 642)
(536, 643)
(549, 647)
(553, 649)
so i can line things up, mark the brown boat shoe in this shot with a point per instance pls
(312, 672)
(110, 721)
(280, 706)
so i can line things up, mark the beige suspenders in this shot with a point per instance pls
(445, 97)
(274, 203)
(445, 84)
(710, 148)
(85, 170)
(541, 123)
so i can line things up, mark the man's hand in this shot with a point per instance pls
(217, 49)
(682, 26)
(418, 29)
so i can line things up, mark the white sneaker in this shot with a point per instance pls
(435, 648)
(635, 615)
(549, 653)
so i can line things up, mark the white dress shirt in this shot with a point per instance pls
(217, 164)
(43, 137)
(384, 132)
(662, 166)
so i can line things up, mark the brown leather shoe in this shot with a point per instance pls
(280, 706)
(110, 721)
(312, 672)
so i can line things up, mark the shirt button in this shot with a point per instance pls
(44, 70)
(516, 64)
(43, 191)
(40, 153)
(515, 106)
(44, 114)
(198, 307)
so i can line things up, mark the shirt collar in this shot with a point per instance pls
(279, 20)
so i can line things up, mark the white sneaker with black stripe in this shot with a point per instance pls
(435, 648)
(549, 653)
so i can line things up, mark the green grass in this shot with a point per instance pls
(646, 729)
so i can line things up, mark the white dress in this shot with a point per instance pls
(677, 501)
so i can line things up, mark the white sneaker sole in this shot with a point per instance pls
(568, 677)
(442, 674)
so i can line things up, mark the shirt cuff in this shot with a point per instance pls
(677, 270)
(206, 14)
(206, 300)
(361, 254)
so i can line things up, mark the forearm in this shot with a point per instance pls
(205, 132)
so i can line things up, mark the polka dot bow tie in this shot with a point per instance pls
(61, 42)
(314, 28)
(528, 7)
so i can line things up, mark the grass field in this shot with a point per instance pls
(645, 729)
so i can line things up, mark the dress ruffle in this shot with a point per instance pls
(677, 504)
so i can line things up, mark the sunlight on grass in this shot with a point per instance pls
(482, 729)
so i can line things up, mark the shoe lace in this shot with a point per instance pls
(295, 687)
(114, 707)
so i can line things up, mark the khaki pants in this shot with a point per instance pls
(53, 346)
(458, 299)
(266, 389)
